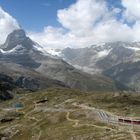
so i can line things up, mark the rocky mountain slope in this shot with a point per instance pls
(32, 68)
(126, 73)
(6, 86)
(110, 59)
(68, 114)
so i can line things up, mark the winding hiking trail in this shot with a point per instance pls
(76, 122)
(39, 135)
(28, 116)
(133, 135)
(102, 115)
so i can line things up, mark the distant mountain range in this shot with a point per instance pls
(31, 67)
(106, 66)
(119, 61)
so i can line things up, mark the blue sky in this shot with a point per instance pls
(85, 23)
(35, 14)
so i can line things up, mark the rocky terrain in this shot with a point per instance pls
(69, 114)
(33, 68)
(118, 60)
(74, 93)
(69, 70)
(6, 86)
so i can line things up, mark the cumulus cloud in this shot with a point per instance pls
(132, 15)
(77, 23)
(132, 9)
(7, 25)
(84, 23)
(82, 15)
(88, 22)
(50, 36)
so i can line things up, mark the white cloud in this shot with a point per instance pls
(111, 31)
(132, 14)
(87, 22)
(7, 25)
(132, 11)
(117, 10)
(79, 20)
(82, 15)
(50, 37)
(136, 32)
(84, 23)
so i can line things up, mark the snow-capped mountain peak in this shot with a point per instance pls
(18, 43)
(13, 50)
(55, 52)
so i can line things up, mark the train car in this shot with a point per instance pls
(120, 120)
(137, 122)
(127, 121)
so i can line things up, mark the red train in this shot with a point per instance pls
(137, 122)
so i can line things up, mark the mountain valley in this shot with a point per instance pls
(69, 114)
(74, 93)
(118, 61)
(24, 60)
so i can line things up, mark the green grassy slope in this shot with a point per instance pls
(58, 119)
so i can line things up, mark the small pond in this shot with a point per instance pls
(18, 105)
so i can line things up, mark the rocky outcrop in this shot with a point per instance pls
(118, 60)
(128, 74)
(28, 83)
(6, 86)
(34, 70)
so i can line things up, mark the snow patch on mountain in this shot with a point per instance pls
(88, 69)
(40, 49)
(55, 52)
(12, 51)
(103, 53)
(100, 44)
(133, 48)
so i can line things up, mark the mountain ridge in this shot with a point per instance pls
(102, 58)
(21, 58)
